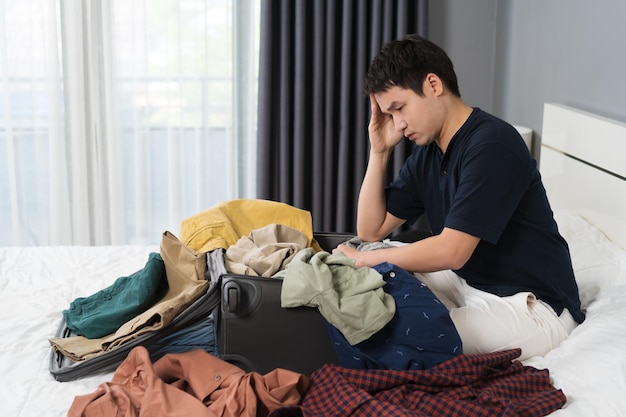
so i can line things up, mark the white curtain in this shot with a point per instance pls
(120, 118)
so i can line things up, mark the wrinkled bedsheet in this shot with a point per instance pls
(36, 284)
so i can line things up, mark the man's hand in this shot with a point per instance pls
(382, 131)
(350, 253)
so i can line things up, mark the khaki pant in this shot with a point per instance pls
(489, 323)
(184, 269)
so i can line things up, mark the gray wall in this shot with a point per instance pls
(466, 30)
(511, 56)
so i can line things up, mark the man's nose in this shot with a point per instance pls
(400, 124)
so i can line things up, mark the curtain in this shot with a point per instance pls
(120, 118)
(312, 129)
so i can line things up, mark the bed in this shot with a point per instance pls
(582, 163)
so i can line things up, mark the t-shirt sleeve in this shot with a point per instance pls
(491, 185)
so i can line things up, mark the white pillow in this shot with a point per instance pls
(598, 262)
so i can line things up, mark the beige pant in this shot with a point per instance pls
(488, 323)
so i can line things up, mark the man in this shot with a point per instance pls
(496, 258)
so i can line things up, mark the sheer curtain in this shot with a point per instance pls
(120, 118)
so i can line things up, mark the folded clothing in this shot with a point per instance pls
(186, 282)
(105, 311)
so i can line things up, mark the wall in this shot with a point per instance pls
(466, 30)
(567, 51)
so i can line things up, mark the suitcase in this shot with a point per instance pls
(252, 330)
(255, 333)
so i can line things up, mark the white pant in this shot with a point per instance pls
(489, 323)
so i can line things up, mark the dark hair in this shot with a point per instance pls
(405, 63)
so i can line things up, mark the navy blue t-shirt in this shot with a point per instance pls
(488, 185)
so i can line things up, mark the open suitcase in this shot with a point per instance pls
(252, 330)
(65, 369)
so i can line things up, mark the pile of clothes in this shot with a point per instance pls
(398, 351)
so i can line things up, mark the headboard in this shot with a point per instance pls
(583, 165)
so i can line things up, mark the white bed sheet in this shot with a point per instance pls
(37, 283)
(590, 365)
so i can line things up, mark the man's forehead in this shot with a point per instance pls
(391, 98)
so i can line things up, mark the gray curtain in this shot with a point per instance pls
(313, 116)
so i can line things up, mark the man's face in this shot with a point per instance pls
(415, 116)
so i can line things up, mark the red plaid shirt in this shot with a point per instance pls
(492, 384)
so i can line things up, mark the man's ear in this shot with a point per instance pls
(433, 83)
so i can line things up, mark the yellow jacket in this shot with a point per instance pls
(225, 223)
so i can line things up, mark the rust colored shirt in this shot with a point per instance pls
(186, 384)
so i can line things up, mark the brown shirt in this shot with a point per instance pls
(186, 384)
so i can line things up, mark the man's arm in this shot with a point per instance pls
(373, 220)
(450, 249)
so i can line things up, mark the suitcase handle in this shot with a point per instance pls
(232, 295)
(241, 295)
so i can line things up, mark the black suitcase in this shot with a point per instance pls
(252, 330)
(257, 334)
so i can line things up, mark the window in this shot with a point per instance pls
(120, 118)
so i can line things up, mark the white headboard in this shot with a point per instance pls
(583, 165)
